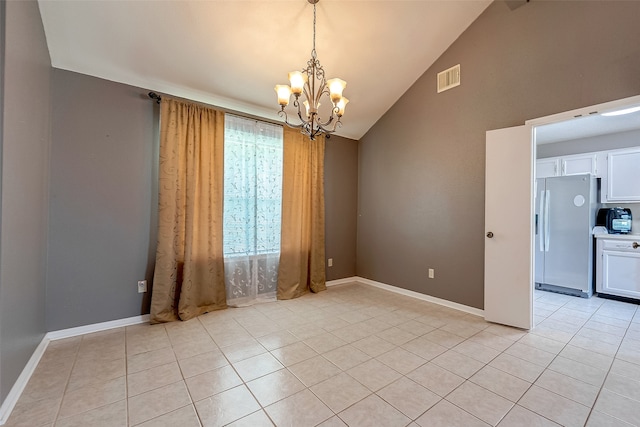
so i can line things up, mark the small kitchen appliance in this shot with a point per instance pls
(617, 220)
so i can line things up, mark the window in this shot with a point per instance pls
(252, 208)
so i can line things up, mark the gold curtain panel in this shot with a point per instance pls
(189, 272)
(302, 242)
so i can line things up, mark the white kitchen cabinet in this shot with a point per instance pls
(623, 176)
(618, 266)
(567, 165)
(548, 167)
(579, 164)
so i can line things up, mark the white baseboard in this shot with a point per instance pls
(97, 327)
(412, 294)
(18, 387)
(342, 281)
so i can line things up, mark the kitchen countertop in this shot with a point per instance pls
(618, 236)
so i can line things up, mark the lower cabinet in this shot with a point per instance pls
(618, 267)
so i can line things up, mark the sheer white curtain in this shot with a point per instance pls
(252, 209)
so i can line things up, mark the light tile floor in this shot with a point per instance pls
(353, 355)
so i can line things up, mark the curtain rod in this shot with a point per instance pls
(158, 98)
(155, 96)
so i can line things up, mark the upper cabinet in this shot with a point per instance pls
(548, 167)
(618, 169)
(567, 165)
(578, 164)
(623, 176)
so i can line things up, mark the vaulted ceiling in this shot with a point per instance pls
(231, 53)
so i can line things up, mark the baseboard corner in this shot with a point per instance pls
(97, 327)
(18, 387)
(420, 296)
(343, 281)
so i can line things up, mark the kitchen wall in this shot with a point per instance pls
(591, 144)
(102, 231)
(421, 176)
(25, 136)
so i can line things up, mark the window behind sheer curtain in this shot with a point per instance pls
(252, 209)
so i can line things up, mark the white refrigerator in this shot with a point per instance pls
(566, 209)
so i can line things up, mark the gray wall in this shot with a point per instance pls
(341, 204)
(587, 145)
(102, 187)
(421, 173)
(104, 201)
(25, 158)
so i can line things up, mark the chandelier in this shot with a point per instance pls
(310, 83)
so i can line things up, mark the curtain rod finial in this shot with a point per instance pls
(155, 96)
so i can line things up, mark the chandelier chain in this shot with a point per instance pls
(313, 52)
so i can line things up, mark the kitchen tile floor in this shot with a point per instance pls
(353, 355)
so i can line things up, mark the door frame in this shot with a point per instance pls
(583, 112)
(566, 116)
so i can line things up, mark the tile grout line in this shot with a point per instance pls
(365, 306)
(66, 385)
(503, 352)
(609, 370)
(558, 354)
(244, 383)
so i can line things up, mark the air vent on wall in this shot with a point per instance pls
(449, 78)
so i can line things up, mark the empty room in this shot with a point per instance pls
(433, 220)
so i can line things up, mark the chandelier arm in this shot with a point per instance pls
(283, 114)
(312, 85)
(297, 104)
(307, 94)
(326, 129)
(322, 89)
(319, 121)
(329, 120)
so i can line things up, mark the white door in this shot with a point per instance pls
(508, 266)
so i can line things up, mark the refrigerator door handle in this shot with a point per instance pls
(547, 208)
(541, 220)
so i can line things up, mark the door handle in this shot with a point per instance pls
(635, 245)
(490, 235)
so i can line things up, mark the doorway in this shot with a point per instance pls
(564, 145)
(517, 291)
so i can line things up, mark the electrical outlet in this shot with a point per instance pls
(431, 273)
(142, 286)
(330, 262)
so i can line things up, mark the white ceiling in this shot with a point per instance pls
(231, 53)
(587, 126)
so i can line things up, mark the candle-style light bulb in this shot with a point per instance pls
(336, 86)
(342, 103)
(284, 93)
(297, 81)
